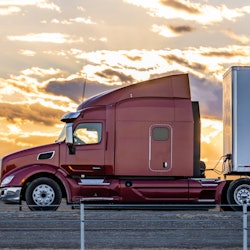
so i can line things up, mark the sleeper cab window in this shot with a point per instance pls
(160, 134)
(88, 133)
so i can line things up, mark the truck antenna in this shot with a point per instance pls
(84, 87)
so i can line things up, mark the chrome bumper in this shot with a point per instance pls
(10, 194)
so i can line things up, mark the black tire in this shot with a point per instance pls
(224, 206)
(238, 193)
(43, 194)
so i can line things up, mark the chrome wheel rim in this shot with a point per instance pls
(43, 195)
(242, 194)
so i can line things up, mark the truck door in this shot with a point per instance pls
(89, 147)
(160, 148)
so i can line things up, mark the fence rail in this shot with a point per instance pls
(105, 227)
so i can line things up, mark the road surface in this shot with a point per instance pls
(119, 229)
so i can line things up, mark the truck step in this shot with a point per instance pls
(93, 182)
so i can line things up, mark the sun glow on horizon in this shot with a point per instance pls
(211, 141)
(211, 128)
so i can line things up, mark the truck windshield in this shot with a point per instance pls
(62, 135)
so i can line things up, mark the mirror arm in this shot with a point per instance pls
(72, 149)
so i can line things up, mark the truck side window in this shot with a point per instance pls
(160, 134)
(88, 133)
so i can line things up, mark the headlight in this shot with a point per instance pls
(7, 180)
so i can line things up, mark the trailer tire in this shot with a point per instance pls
(238, 193)
(43, 194)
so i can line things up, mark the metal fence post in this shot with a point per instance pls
(82, 224)
(244, 226)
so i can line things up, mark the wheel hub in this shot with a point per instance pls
(242, 194)
(43, 195)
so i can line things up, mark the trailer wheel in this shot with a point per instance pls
(43, 194)
(238, 193)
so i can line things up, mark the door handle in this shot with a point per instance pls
(96, 168)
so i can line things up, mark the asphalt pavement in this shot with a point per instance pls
(119, 229)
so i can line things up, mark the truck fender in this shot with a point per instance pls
(62, 176)
(219, 192)
(224, 202)
(30, 172)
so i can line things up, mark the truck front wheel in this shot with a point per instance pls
(43, 194)
(238, 193)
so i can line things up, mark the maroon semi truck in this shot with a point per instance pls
(138, 144)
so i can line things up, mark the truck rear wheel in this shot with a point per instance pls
(238, 193)
(43, 194)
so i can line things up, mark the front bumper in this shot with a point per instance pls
(10, 194)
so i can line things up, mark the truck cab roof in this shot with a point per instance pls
(174, 86)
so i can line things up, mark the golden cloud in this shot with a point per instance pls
(33, 112)
(43, 4)
(57, 38)
(10, 10)
(197, 12)
(240, 39)
(73, 21)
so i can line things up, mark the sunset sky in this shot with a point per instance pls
(49, 48)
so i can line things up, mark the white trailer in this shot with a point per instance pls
(236, 119)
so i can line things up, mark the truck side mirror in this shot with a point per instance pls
(69, 138)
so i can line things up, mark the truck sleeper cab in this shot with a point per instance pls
(136, 144)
